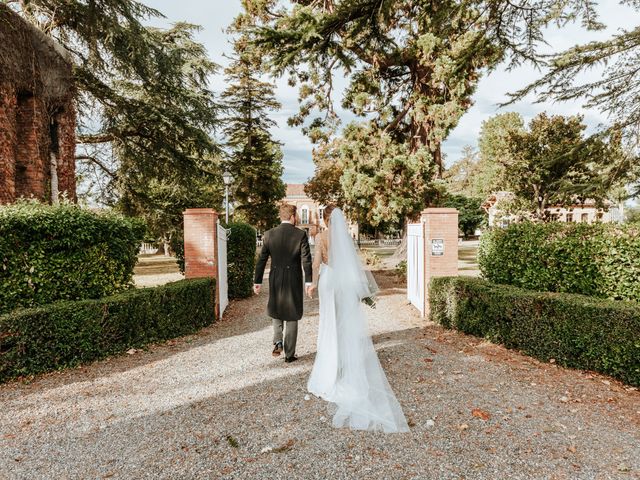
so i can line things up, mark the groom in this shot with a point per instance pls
(288, 248)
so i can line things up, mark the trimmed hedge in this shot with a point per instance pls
(241, 259)
(601, 260)
(64, 252)
(65, 333)
(577, 331)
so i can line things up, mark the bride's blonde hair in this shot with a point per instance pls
(327, 212)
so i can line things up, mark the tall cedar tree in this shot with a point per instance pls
(255, 158)
(411, 64)
(412, 68)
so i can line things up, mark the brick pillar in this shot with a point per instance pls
(441, 246)
(201, 245)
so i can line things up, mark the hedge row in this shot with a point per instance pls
(68, 333)
(241, 259)
(601, 260)
(577, 331)
(64, 252)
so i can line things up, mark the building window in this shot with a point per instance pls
(599, 216)
(305, 215)
(584, 218)
(569, 217)
(555, 217)
(321, 213)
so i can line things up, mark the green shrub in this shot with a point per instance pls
(601, 260)
(64, 252)
(241, 259)
(176, 244)
(401, 269)
(575, 330)
(370, 258)
(68, 333)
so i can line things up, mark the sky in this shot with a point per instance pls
(215, 15)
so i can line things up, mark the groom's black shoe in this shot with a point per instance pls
(277, 349)
(290, 359)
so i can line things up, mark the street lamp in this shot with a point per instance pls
(227, 178)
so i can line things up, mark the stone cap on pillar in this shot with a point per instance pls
(199, 211)
(436, 210)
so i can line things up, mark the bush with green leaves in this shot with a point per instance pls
(241, 259)
(68, 333)
(575, 330)
(602, 260)
(50, 253)
(471, 216)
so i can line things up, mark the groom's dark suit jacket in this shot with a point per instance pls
(288, 248)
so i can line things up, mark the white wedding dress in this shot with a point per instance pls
(347, 371)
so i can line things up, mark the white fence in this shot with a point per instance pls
(415, 265)
(390, 242)
(222, 284)
(148, 248)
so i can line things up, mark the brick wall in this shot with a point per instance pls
(7, 144)
(31, 147)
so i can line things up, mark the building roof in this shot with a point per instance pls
(296, 190)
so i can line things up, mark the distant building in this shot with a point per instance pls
(37, 115)
(587, 212)
(310, 212)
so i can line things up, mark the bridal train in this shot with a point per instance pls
(347, 371)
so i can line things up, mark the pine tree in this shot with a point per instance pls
(615, 92)
(255, 158)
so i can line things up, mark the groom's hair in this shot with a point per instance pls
(287, 211)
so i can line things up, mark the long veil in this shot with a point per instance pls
(362, 394)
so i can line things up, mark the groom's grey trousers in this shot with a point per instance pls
(290, 337)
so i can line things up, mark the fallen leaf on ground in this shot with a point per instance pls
(285, 447)
(481, 414)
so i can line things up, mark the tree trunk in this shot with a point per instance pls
(401, 250)
(55, 189)
(420, 138)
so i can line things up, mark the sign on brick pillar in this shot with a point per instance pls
(440, 246)
(201, 245)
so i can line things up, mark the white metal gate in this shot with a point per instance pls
(222, 285)
(415, 265)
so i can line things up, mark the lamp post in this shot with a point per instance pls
(227, 178)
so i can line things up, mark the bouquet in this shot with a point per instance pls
(371, 289)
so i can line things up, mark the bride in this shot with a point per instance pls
(347, 371)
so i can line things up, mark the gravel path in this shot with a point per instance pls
(217, 405)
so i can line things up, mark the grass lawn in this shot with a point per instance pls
(153, 270)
